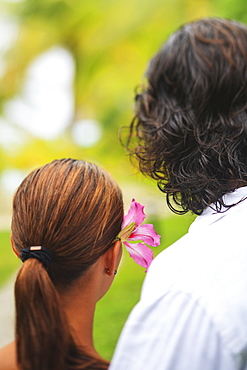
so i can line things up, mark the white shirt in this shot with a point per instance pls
(192, 314)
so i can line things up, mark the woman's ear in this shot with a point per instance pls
(13, 246)
(112, 258)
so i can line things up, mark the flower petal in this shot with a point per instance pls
(140, 253)
(135, 214)
(147, 234)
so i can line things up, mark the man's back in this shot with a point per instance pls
(189, 133)
(193, 307)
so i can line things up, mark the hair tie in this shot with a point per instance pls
(40, 253)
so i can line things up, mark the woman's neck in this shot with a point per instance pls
(79, 305)
(80, 313)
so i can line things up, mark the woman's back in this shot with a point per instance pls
(8, 357)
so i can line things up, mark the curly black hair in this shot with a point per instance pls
(190, 127)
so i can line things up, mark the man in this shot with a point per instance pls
(190, 134)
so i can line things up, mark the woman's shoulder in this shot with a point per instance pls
(8, 357)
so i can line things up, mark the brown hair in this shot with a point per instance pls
(75, 210)
(190, 128)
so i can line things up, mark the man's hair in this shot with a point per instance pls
(190, 127)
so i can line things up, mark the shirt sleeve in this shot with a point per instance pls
(172, 333)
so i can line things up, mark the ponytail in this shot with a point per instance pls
(43, 337)
(42, 332)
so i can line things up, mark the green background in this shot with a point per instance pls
(110, 43)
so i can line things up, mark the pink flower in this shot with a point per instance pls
(136, 236)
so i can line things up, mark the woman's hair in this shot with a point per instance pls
(190, 127)
(74, 209)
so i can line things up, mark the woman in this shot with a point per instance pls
(68, 213)
(66, 229)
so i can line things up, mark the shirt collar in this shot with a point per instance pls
(210, 215)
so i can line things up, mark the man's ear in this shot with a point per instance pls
(13, 246)
(112, 258)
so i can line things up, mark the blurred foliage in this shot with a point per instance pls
(232, 9)
(110, 42)
(8, 260)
